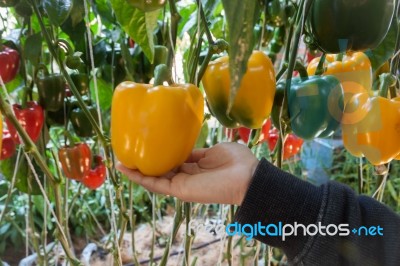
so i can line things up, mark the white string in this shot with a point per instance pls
(113, 219)
(34, 171)
(198, 34)
(224, 213)
(44, 194)
(96, 92)
(173, 53)
(26, 227)
(12, 180)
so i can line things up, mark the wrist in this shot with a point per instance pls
(246, 181)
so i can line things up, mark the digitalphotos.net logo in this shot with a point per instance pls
(284, 230)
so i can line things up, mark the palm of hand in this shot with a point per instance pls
(220, 174)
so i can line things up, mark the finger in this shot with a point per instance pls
(197, 155)
(190, 168)
(161, 185)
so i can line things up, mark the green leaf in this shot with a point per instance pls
(105, 93)
(33, 48)
(100, 52)
(77, 34)
(138, 24)
(24, 175)
(4, 228)
(241, 17)
(57, 10)
(385, 50)
(103, 9)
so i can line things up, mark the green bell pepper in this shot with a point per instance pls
(82, 127)
(337, 26)
(277, 42)
(81, 81)
(315, 105)
(51, 88)
(56, 118)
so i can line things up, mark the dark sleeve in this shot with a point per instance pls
(275, 196)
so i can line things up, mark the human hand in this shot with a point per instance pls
(220, 174)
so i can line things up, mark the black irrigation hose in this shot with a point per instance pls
(177, 252)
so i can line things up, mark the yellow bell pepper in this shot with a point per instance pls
(254, 99)
(375, 130)
(354, 72)
(154, 129)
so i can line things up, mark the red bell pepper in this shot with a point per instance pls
(7, 146)
(31, 119)
(75, 161)
(9, 59)
(245, 132)
(97, 175)
(291, 146)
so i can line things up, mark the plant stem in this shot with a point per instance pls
(31, 148)
(300, 17)
(230, 238)
(320, 68)
(175, 227)
(360, 177)
(204, 20)
(175, 18)
(132, 223)
(188, 235)
(102, 139)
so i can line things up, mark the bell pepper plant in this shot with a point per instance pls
(31, 119)
(51, 88)
(7, 146)
(374, 129)
(147, 5)
(353, 70)
(9, 59)
(291, 146)
(355, 25)
(154, 129)
(76, 160)
(245, 132)
(253, 102)
(315, 105)
(97, 175)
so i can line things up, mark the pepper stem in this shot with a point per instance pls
(161, 74)
(339, 56)
(320, 68)
(302, 70)
(70, 138)
(386, 80)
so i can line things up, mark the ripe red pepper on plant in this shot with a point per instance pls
(31, 119)
(97, 175)
(9, 59)
(291, 146)
(7, 146)
(76, 160)
(245, 132)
